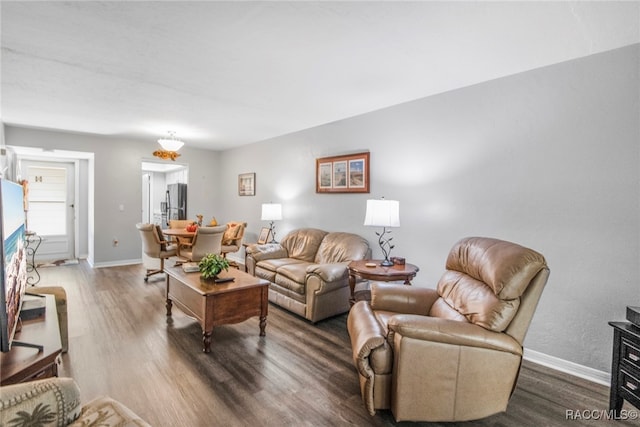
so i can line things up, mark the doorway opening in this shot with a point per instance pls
(61, 194)
(164, 192)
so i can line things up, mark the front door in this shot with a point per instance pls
(51, 209)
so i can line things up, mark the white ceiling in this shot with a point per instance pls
(222, 74)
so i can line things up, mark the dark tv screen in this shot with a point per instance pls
(14, 266)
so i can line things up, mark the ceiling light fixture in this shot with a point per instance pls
(170, 147)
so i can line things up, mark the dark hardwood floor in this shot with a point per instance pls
(300, 374)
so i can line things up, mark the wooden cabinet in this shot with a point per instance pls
(22, 364)
(625, 367)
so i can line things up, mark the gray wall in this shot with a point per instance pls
(547, 158)
(118, 182)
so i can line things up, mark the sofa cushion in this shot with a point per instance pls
(290, 284)
(341, 247)
(265, 274)
(303, 243)
(296, 272)
(277, 263)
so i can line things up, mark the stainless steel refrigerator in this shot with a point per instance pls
(176, 202)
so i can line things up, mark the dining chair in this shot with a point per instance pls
(155, 246)
(232, 239)
(207, 240)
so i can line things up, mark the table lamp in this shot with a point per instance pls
(383, 213)
(272, 212)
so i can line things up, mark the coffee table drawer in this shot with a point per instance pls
(190, 301)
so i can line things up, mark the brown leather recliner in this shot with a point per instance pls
(453, 353)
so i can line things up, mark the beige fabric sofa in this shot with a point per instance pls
(308, 270)
(451, 353)
(56, 402)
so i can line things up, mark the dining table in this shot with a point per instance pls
(180, 236)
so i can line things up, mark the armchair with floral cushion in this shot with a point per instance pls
(56, 401)
(232, 239)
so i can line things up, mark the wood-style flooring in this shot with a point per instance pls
(300, 374)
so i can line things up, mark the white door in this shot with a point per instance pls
(146, 199)
(51, 210)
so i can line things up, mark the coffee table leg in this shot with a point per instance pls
(169, 304)
(263, 325)
(206, 341)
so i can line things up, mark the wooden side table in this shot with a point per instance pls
(363, 270)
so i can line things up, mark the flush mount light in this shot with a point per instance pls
(170, 147)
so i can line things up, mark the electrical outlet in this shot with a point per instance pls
(115, 241)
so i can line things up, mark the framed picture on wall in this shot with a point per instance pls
(247, 184)
(264, 235)
(343, 174)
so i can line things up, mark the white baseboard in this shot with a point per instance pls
(584, 372)
(117, 263)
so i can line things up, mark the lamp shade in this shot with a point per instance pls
(170, 143)
(271, 211)
(382, 213)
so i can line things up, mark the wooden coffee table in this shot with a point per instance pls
(217, 303)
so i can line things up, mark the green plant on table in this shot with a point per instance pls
(211, 265)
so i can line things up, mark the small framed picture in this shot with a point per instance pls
(264, 235)
(247, 184)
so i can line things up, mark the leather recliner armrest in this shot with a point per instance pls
(268, 251)
(366, 335)
(402, 298)
(370, 349)
(449, 331)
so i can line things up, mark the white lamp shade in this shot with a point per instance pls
(383, 213)
(170, 144)
(271, 211)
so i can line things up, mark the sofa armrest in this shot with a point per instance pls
(452, 332)
(56, 400)
(268, 251)
(329, 272)
(402, 298)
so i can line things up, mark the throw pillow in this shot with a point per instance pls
(231, 233)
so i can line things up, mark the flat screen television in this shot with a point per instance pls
(13, 271)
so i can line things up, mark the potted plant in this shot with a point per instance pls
(211, 265)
